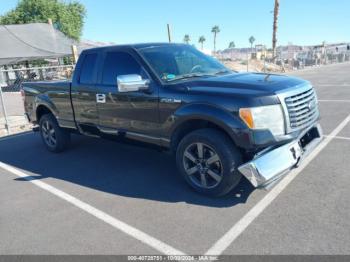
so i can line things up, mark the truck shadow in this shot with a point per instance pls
(112, 167)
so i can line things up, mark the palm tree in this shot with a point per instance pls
(215, 30)
(187, 39)
(251, 41)
(232, 45)
(201, 40)
(274, 34)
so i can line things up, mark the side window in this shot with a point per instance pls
(88, 69)
(119, 63)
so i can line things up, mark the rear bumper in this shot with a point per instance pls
(271, 165)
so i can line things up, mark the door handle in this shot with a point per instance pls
(100, 98)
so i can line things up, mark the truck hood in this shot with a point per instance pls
(244, 83)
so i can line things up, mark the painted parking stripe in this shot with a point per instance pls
(335, 100)
(114, 222)
(234, 232)
(339, 137)
(332, 85)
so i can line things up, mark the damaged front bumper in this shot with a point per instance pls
(269, 166)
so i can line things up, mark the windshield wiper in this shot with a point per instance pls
(224, 71)
(186, 76)
(192, 75)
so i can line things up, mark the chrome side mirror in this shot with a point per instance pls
(131, 83)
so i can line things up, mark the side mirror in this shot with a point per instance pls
(131, 83)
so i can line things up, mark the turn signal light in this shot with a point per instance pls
(246, 115)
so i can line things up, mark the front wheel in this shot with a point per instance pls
(208, 160)
(55, 138)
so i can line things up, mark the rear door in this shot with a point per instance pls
(84, 91)
(135, 113)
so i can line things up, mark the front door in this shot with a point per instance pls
(133, 113)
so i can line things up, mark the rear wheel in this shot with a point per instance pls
(55, 138)
(208, 161)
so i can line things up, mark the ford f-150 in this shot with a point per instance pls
(220, 124)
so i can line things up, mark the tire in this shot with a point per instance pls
(214, 171)
(55, 138)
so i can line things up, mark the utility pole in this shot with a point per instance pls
(264, 58)
(247, 60)
(75, 54)
(169, 33)
(324, 53)
(275, 24)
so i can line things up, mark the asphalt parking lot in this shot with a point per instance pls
(101, 197)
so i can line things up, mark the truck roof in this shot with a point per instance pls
(136, 46)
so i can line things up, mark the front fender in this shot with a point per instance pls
(227, 121)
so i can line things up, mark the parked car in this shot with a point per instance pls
(220, 124)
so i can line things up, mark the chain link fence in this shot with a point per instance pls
(287, 58)
(12, 119)
(315, 58)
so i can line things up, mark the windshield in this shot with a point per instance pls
(175, 62)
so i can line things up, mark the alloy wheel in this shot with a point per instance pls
(49, 134)
(203, 165)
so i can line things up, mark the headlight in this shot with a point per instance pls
(264, 117)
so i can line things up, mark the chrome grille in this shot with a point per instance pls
(302, 108)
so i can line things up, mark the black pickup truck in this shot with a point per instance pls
(219, 123)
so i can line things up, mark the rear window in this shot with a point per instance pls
(88, 69)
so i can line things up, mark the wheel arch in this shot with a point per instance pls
(196, 117)
(44, 106)
(41, 110)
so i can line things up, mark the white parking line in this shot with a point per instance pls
(226, 240)
(120, 225)
(333, 85)
(338, 137)
(336, 101)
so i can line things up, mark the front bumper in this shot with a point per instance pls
(270, 165)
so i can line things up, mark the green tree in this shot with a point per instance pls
(232, 45)
(187, 39)
(201, 40)
(66, 17)
(215, 30)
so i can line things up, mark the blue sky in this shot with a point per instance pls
(301, 22)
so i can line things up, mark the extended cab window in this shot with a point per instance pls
(119, 63)
(88, 69)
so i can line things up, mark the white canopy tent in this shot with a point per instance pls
(25, 42)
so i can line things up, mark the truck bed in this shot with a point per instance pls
(55, 95)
